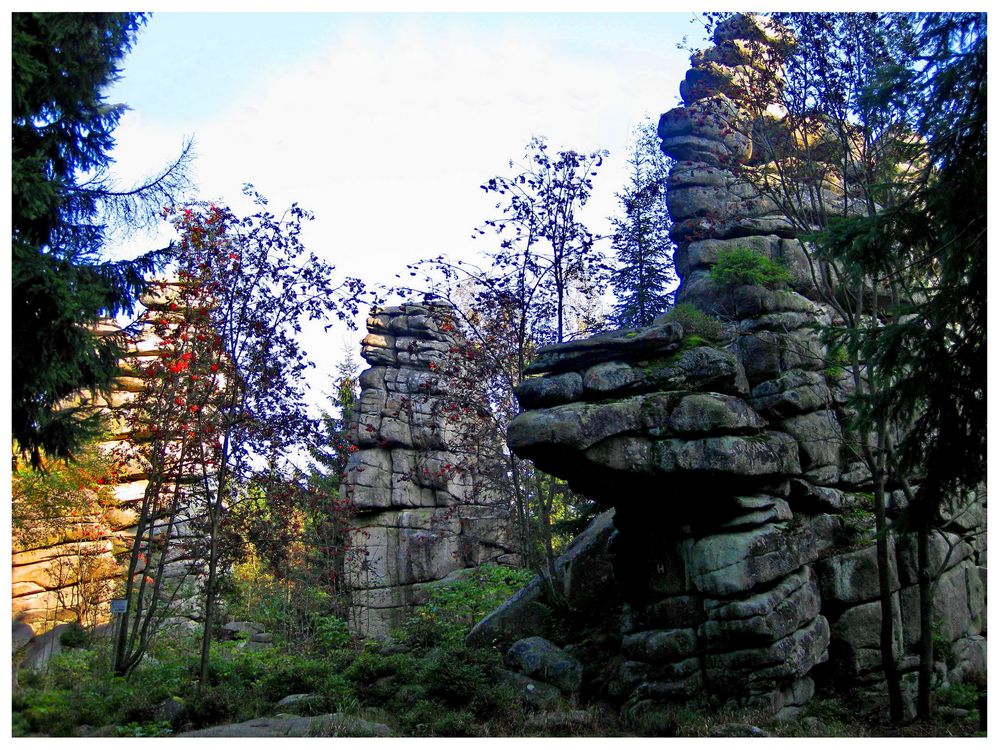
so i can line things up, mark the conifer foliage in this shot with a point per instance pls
(644, 277)
(63, 205)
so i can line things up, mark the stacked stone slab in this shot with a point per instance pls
(714, 569)
(422, 513)
(46, 576)
(738, 549)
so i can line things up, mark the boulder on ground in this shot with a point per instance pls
(327, 725)
(538, 658)
(232, 630)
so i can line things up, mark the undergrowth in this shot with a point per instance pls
(422, 681)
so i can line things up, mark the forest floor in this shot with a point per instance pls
(380, 689)
(308, 675)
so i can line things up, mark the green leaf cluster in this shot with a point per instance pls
(743, 266)
(695, 322)
(454, 607)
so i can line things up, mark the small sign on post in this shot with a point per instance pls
(118, 606)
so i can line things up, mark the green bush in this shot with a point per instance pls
(695, 322)
(958, 695)
(292, 610)
(369, 666)
(418, 719)
(149, 729)
(75, 688)
(455, 724)
(743, 266)
(453, 608)
(453, 676)
(438, 688)
(73, 636)
(330, 633)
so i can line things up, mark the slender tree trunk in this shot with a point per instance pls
(886, 640)
(876, 462)
(206, 633)
(924, 578)
(214, 518)
(519, 502)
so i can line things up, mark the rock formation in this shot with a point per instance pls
(73, 569)
(743, 550)
(422, 512)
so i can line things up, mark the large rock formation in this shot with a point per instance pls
(422, 512)
(743, 546)
(69, 568)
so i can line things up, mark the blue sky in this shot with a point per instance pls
(385, 125)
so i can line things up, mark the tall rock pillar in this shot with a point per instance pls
(422, 512)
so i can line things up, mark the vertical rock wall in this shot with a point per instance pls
(793, 383)
(422, 513)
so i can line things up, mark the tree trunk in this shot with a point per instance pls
(924, 578)
(876, 461)
(886, 641)
(213, 561)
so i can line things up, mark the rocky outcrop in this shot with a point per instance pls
(422, 511)
(581, 580)
(68, 568)
(742, 546)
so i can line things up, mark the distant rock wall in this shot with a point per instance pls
(422, 512)
(743, 545)
(81, 556)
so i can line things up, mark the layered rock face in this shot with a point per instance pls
(743, 550)
(422, 511)
(72, 568)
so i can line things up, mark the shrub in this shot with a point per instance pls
(959, 695)
(150, 729)
(455, 724)
(453, 676)
(52, 712)
(330, 632)
(453, 608)
(294, 611)
(73, 636)
(419, 718)
(743, 266)
(695, 322)
(75, 689)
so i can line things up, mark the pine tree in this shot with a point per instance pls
(63, 204)
(644, 278)
(930, 352)
(333, 447)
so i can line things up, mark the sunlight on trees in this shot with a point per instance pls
(64, 204)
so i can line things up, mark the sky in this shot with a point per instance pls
(384, 125)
